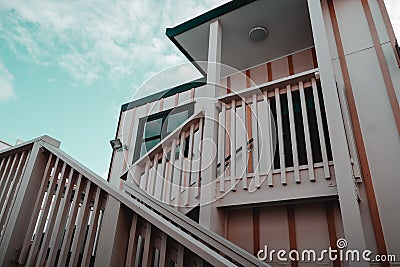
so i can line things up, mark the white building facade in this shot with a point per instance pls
(319, 127)
(286, 153)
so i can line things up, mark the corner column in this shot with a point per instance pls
(210, 217)
(349, 207)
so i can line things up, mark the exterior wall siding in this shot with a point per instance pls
(311, 229)
(375, 113)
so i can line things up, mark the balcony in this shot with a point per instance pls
(278, 134)
(282, 127)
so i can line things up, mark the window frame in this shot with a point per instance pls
(163, 115)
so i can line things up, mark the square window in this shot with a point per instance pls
(148, 145)
(152, 128)
(174, 120)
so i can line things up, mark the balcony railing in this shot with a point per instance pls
(271, 138)
(56, 212)
(278, 136)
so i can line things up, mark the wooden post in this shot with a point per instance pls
(16, 230)
(208, 211)
(113, 237)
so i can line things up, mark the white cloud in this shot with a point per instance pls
(6, 84)
(109, 40)
(121, 41)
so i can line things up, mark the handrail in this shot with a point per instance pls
(295, 78)
(206, 244)
(57, 156)
(192, 228)
(184, 229)
(23, 145)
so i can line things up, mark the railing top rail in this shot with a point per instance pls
(248, 92)
(25, 145)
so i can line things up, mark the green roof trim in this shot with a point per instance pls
(166, 93)
(203, 18)
(206, 17)
(188, 56)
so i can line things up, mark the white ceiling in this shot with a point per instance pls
(287, 21)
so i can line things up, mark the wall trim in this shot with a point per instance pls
(369, 188)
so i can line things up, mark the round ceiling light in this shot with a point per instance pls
(258, 34)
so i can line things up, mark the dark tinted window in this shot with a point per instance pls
(152, 129)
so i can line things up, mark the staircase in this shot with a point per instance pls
(56, 212)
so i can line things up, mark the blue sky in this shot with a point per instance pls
(66, 67)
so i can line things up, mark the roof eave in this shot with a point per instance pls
(206, 17)
(162, 94)
(196, 21)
